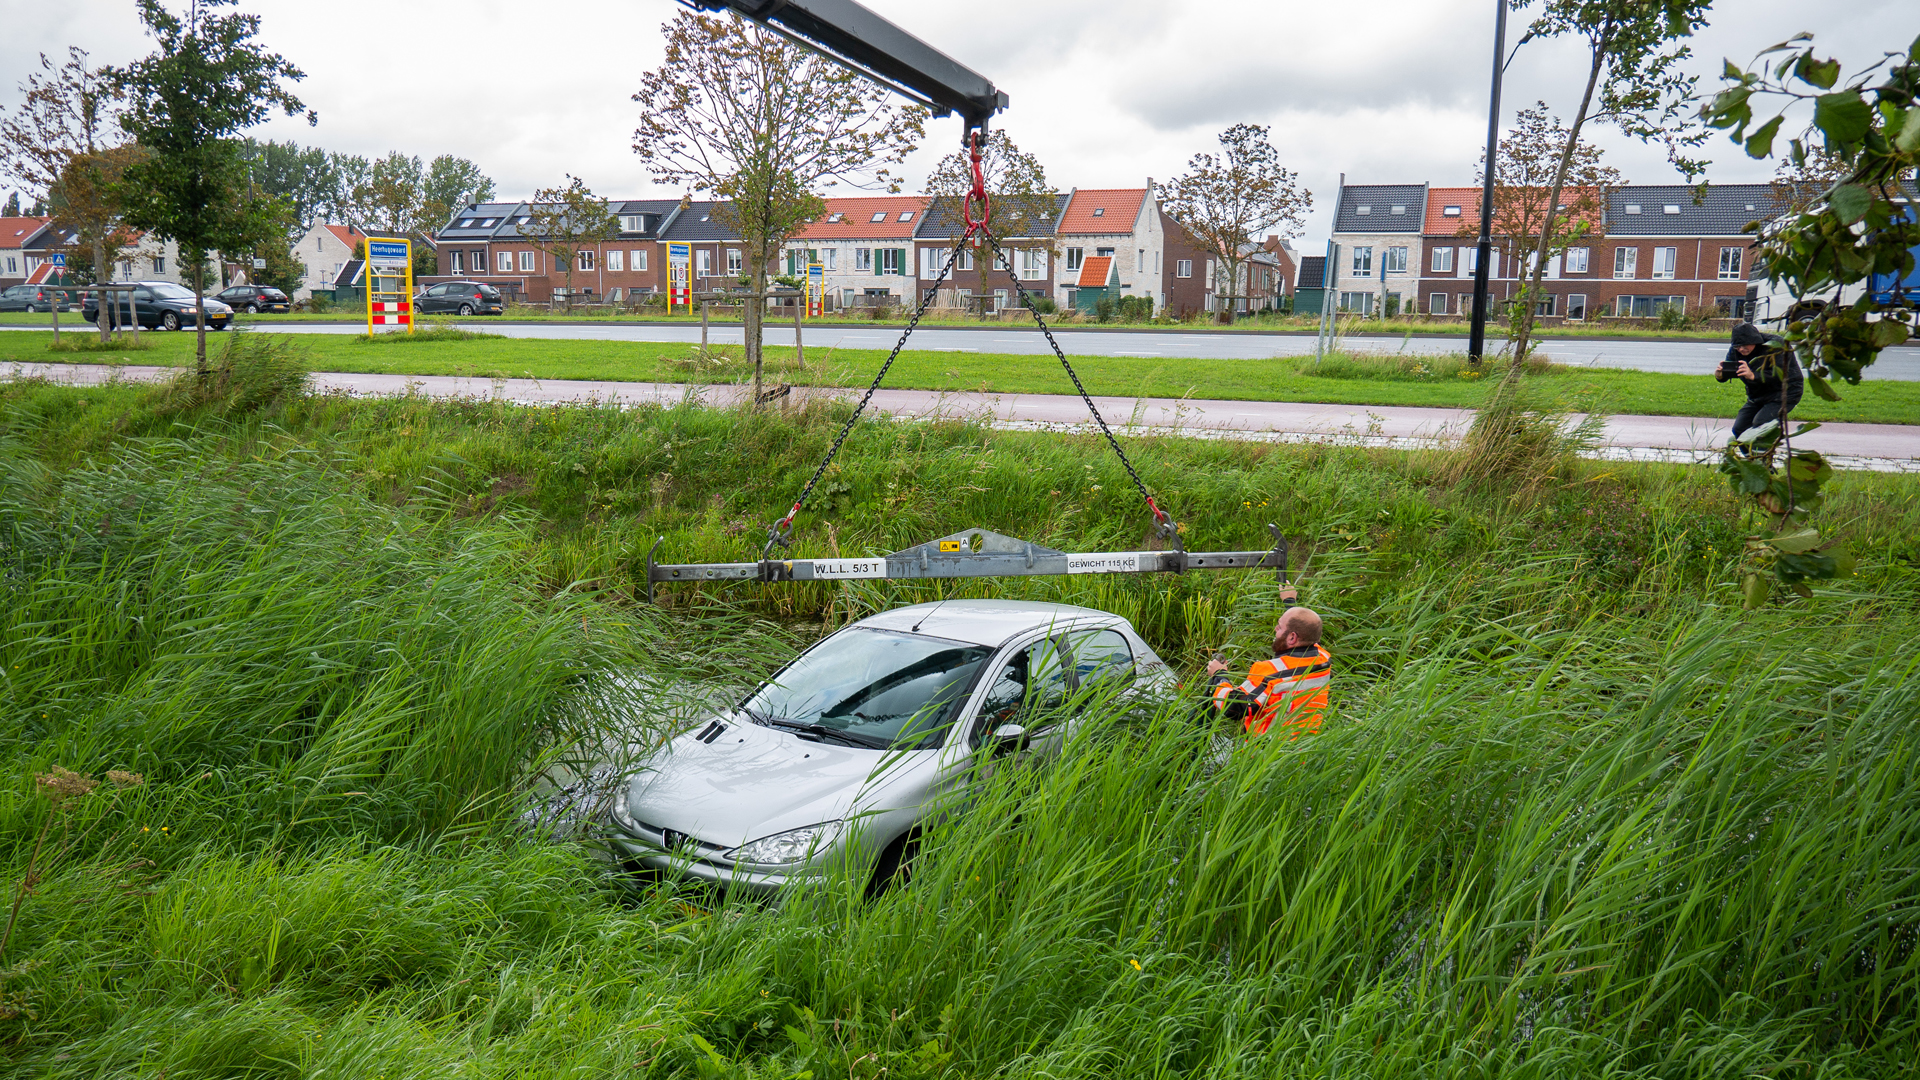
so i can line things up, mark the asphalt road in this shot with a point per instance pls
(1673, 357)
(1883, 447)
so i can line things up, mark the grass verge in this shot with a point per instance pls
(1574, 813)
(1355, 378)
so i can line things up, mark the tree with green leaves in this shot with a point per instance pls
(1826, 252)
(64, 141)
(1636, 81)
(450, 184)
(761, 123)
(305, 177)
(1020, 201)
(1228, 202)
(187, 104)
(567, 220)
(12, 209)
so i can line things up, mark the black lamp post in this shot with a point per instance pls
(1477, 341)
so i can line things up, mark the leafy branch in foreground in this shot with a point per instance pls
(1848, 239)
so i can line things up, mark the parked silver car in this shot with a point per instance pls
(847, 751)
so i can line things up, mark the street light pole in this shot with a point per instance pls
(1477, 341)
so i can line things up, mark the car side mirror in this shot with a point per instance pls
(1007, 738)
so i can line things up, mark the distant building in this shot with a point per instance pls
(865, 249)
(1378, 229)
(322, 252)
(491, 242)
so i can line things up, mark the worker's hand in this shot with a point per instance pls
(1288, 594)
(1744, 371)
(1215, 667)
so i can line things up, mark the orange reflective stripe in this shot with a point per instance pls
(1297, 683)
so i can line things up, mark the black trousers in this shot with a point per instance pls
(1758, 411)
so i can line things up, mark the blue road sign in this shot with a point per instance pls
(57, 259)
(386, 252)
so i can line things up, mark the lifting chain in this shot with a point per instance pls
(780, 533)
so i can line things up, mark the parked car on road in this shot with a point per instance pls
(255, 298)
(34, 298)
(848, 752)
(158, 305)
(459, 298)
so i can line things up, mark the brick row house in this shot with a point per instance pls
(874, 251)
(1649, 247)
(27, 245)
(1031, 249)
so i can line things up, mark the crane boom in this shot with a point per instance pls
(868, 43)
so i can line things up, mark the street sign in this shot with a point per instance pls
(389, 284)
(679, 275)
(816, 290)
(388, 254)
(58, 258)
(259, 264)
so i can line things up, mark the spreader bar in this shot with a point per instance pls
(975, 553)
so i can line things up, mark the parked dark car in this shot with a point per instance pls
(255, 298)
(459, 298)
(158, 305)
(34, 298)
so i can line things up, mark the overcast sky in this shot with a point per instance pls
(1106, 92)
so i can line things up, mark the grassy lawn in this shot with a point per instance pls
(1270, 324)
(1426, 381)
(1573, 812)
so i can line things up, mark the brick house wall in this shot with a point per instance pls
(1185, 282)
(487, 242)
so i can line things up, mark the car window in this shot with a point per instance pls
(881, 688)
(168, 291)
(1028, 687)
(439, 290)
(1100, 655)
(142, 294)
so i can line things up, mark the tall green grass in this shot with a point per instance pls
(1573, 812)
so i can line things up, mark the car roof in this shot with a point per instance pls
(984, 622)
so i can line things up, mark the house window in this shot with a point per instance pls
(1140, 263)
(1543, 307)
(1728, 307)
(616, 261)
(159, 264)
(527, 263)
(1075, 256)
(1442, 264)
(458, 264)
(830, 260)
(1626, 262)
(1395, 261)
(1576, 305)
(703, 262)
(1437, 304)
(893, 261)
(1449, 211)
(1670, 208)
(1099, 211)
(1577, 260)
(477, 259)
(863, 260)
(1183, 268)
(1363, 211)
(1730, 264)
(1033, 264)
(906, 215)
(1470, 259)
(1397, 209)
(1633, 208)
(1663, 262)
(878, 218)
(639, 258)
(733, 260)
(1103, 252)
(503, 260)
(1466, 303)
(1361, 302)
(630, 223)
(835, 217)
(1363, 262)
(585, 260)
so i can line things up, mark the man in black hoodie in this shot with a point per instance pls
(1766, 365)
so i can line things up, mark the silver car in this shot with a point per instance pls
(848, 751)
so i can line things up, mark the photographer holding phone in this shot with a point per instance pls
(1774, 383)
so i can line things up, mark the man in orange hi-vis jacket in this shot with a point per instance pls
(1291, 687)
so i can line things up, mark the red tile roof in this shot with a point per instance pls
(1096, 272)
(14, 231)
(1118, 207)
(1439, 223)
(346, 234)
(856, 218)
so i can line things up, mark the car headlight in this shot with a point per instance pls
(622, 818)
(787, 847)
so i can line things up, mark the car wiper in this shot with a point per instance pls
(822, 731)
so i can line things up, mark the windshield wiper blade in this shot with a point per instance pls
(822, 731)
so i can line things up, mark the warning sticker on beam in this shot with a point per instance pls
(849, 568)
(1104, 562)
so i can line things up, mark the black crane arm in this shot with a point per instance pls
(852, 35)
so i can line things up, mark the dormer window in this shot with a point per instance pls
(906, 215)
(1398, 208)
(1449, 211)
(1633, 208)
(1363, 211)
(1670, 208)
(877, 218)
(466, 223)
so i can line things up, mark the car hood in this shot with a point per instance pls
(752, 781)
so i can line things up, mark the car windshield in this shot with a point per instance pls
(163, 290)
(877, 688)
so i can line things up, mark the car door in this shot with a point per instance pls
(11, 300)
(146, 310)
(437, 298)
(1028, 688)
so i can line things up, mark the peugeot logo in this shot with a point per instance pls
(674, 841)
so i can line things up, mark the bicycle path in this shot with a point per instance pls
(1684, 439)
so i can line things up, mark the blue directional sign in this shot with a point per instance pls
(387, 252)
(58, 258)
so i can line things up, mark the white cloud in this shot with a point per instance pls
(1107, 92)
